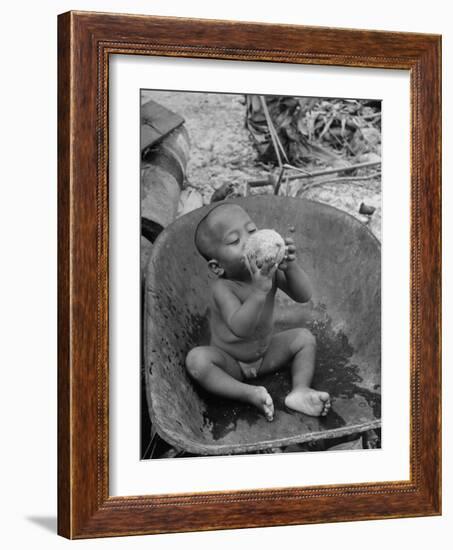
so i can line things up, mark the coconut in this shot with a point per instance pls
(265, 247)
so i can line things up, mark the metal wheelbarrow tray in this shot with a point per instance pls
(343, 260)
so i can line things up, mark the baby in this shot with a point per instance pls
(243, 344)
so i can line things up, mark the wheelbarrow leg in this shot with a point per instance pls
(370, 440)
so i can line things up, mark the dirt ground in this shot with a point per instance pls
(222, 151)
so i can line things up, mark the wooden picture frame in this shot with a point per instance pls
(85, 42)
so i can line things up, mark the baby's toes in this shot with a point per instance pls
(326, 407)
(269, 412)
(269, 408)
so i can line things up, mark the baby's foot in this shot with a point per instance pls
(309, 401)
(263, 401)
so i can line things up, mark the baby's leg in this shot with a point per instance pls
(298, 346)
(219, 373)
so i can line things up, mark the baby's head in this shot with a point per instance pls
(220, 238)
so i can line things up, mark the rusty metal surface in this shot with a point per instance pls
(342, 258)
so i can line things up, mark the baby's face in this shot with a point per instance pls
(231, 227)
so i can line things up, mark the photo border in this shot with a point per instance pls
(85, 42)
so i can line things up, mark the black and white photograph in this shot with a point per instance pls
(261, 274)
(227, 275)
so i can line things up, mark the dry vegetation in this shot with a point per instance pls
(317, 133)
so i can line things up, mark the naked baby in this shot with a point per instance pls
(243, 343)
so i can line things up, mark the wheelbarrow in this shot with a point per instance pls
(342, 258)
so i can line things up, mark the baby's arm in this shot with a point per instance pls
(291, 278)
(241, 318)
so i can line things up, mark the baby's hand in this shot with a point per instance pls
(262, 274)
(290, 254)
